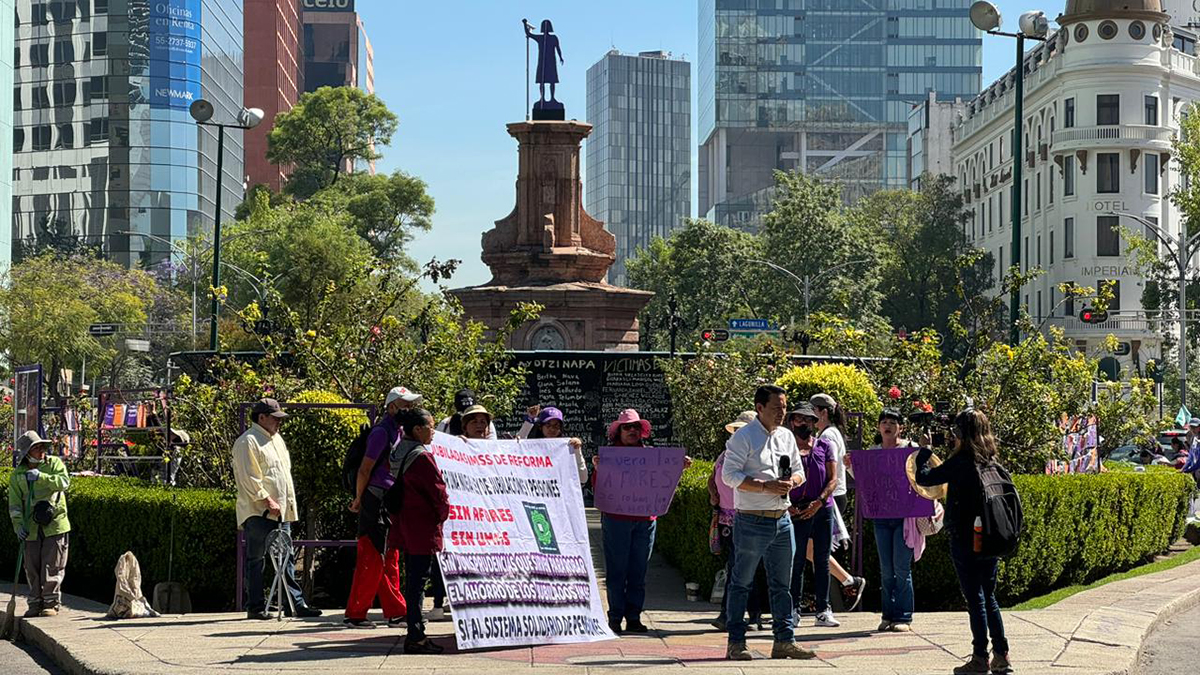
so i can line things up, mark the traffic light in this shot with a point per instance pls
(714, 335)
(1089, 315)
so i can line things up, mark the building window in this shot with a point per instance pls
(1025, 202)
(1039, 305)
(97, 131)
(39, 55)
(1151, 232)
(990, 219)
(1025, 258)
(1051, 249)
(1068, 239)
(64, 94)
(16, 98)
(18, 139)
(1039, 250)
(1108, 237)
(40, 16)
(99, 43)
(1038, 180)
(41, 137)
(40, 98)
(64, 52)
(1150, 171)
(1108, 172)
(1151, 108)
(1108, 109)
(95, 88)
(1069, 300)
(1068, 113)
(100, 7)
(1050, 194)
(1069, 176)
(66, 136)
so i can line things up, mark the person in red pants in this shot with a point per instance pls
(377, 567)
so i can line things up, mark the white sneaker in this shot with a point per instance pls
(825, 620)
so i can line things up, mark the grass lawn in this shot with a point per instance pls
(1184, 558)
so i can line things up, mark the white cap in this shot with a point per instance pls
(403, 394)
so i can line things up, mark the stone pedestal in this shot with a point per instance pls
(550, 251)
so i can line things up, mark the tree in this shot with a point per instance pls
(325, 133)
(927, 274)
(50, 300)
(705, 266)
(811, 234)
(385, 210)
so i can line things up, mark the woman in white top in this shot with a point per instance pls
(830, 418)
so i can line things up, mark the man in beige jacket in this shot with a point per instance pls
(266, 500)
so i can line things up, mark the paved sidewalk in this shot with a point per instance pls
(1099, 631)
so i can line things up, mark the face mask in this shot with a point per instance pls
(33, 461)
(804, 433)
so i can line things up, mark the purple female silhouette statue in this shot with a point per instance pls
(547, 69)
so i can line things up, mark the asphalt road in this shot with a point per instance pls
(23, 659)
(1171, 648)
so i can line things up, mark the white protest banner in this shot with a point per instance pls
(516, 562)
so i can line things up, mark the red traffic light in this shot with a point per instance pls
(714, 335)
(1089, 315)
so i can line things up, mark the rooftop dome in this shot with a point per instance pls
(1086, 10)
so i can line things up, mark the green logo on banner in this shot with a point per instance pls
(543, 530)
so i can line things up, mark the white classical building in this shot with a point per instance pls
(1103, 98)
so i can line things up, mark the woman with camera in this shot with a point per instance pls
(972, 446)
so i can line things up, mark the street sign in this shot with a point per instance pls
(715, 335)
(752, 325)
(103, 329)
(1123, 349)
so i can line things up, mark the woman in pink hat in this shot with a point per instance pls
(628, 540)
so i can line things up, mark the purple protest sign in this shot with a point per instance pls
(637, 481)
(883, 490)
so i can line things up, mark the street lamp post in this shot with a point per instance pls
(1181, 252)
(1033, 25)
(804, 284)
(202, 111)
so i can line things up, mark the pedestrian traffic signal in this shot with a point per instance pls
(1089, 315)
(715, 335)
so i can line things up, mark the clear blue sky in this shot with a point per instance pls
(454, 73)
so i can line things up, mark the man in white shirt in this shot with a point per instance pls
(762, 464)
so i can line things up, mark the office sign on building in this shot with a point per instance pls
(329, 5)
(174, 48)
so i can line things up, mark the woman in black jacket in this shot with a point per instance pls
(972, 446)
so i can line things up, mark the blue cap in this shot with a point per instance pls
(1194, 422)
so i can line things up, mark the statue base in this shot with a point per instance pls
(549, 111)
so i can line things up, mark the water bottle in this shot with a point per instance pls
(978, 544)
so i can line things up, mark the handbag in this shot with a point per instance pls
(931, 525)
(714, 535)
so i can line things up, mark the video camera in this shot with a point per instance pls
(936, 422)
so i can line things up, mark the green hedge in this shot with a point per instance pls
(112, 515)
(1078, 528)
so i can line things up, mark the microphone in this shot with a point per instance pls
(785, 471)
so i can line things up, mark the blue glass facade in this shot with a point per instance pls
(822, 86)
(639, 173)
(103, 142)
(7, 33)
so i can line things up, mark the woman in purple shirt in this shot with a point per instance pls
(812, 509)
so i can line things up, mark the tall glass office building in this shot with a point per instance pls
(105, 152)
(821, 86)
(639, 176)
(7, 33)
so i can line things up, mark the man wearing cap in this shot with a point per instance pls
(463, 399)
(37, 505)
(376, 568)
(762, 465)
(266, 500)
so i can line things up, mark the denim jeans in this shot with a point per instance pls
(257, 528)
(416, 574)
(627, 548)
(895, 570)
(768, 540)
(758, 601)
(977, 578)
(819, 529)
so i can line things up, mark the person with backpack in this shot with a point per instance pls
(377, 568)
(419, 496)
(979, 491)
(38, 508)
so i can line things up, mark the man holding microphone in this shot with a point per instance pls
(762, 464)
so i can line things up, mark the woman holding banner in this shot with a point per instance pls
(548, 423)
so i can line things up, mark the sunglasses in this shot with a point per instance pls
(631, 426)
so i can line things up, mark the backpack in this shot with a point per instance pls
(1002, 514)
(393, 499)
(353, 460)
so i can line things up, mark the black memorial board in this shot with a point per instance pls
(591, 389)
